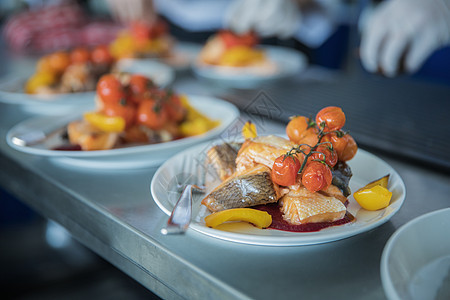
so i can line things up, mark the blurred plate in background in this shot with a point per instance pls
(285, 62)
(416, 260)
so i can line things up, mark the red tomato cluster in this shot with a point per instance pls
(144, 31)
(98, 55)
(231, 39)
(139, 101)
(321, 143)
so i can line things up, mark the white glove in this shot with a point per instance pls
(409, 29)
(132, 10)
(267, 18)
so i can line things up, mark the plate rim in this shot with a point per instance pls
(309, 237)
(194, 100)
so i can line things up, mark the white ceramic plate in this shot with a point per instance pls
(287, 62)
(129, 157)
(11, 89)
(416, 260)
(365, 167)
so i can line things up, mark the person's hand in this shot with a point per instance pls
(404, 32)
(132, 10)
(267, 18)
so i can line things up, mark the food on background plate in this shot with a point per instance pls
(302, 182)
(77, 70)
(228, 49)
(131, 110)
(143, 40)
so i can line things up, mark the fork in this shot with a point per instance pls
(181, 215)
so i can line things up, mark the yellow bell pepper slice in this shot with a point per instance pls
(195, 122)
(38, 80)
(249, 130)
(374, 198)
(105, 123)
(260, 219)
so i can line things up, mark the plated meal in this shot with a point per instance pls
(240, 61)
(79, 69)
(290, 191)
(297, 182)
(143, 40)
(69, 71)
(228, 49)
(131, 110)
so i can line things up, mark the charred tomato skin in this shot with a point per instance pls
(285, 170)
(316, 176)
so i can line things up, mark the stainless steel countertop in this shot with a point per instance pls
(113, 213)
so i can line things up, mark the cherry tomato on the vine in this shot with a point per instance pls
(301, 131)
(333, 117)
(152, 114)
(80, 55)
(285, 169)
(110, 90)
(325, 153)
(175, 110)
(316, 176)
(349, 150)
(101, 55)
(345, 146)
(126, 111)
(231, 39)
(59, 61)
(139, 85)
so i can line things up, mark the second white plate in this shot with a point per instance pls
(129, 157)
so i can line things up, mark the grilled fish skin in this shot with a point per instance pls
(250, 188)
(223, 159)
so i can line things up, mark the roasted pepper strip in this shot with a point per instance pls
(258, 218)
(105, 123)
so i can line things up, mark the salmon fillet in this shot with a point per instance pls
(301, 206)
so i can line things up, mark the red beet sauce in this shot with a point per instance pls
(279, 223)
(68, 147)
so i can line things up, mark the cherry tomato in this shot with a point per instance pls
(333, 117)
(316, 176)
(298, 132)
(345, 146)
(151, 114)
(231, 39)
(110, 89)
(175, 110)
(80, 55)
(143, 31)
(285, 169)
(101, 55)
(59, 61)
(350, 148)
(325, 153)
(126, 111)
(139, 85)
